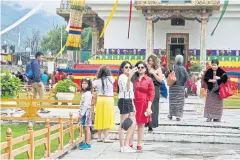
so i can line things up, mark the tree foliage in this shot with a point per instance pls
(11, 86)
(52, 41)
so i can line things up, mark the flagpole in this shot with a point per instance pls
(61, 38)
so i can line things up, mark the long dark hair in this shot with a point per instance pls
(89, 82)
(121, 68)
(102, 74)
(136, 75)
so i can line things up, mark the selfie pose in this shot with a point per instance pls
(126, 106)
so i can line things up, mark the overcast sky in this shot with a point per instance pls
(49, 5)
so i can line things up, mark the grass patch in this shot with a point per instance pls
(231, 103)
(22, 129)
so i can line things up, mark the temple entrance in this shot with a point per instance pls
(175, 50)
(177, 43)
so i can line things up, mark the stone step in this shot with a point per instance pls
(197, 128)
(218, 138)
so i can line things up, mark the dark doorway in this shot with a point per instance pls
(175, 50)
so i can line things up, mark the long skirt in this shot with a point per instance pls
(176, 100)
(155, 109)
(105, 113)
(213, 106)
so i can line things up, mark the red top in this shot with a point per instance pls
(188, 65)
(145, 89)
(143, 93)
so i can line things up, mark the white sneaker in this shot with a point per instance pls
(127, 149)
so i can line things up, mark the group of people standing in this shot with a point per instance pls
(138, 101)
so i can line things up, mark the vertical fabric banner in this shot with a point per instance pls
(75, 24)
(109, 18)
(222, 14)
(130, 18)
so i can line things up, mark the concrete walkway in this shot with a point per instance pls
(160, 151)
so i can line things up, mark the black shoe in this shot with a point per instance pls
(150, 130)
(178, 119)
(216, 120)
(209, 120)
(169, 117)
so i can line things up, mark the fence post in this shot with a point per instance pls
(71, 128)
(60, 147)
(48, 143)
(30, 141)
(9, 140)
(18, 99)
(29, 109)
(34, 107)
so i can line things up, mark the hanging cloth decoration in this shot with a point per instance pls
(77, 4)
(61, 51)
(130, 18)
(223, 12)
(109, 18)
(75, 24)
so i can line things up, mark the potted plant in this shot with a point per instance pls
(65, 90)
(10, 84)
(195, 68)
(10, 88)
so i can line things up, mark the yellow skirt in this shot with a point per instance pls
(105, 113)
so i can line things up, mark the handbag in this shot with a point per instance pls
(163, 89)
(127, 123)
(225, 90)
(171, 79)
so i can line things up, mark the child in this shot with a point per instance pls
(85, 115)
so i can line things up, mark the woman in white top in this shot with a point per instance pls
(126, 105)
(105, 112)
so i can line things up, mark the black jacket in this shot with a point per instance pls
(209, 75)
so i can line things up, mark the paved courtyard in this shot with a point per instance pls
(160, 151)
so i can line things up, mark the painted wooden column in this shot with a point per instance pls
(149, 34)
(203, 56)
(95, 37)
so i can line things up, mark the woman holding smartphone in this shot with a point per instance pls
(143, 97)
(126, 105)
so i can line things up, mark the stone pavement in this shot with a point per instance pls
(160, 150)
(193, 114)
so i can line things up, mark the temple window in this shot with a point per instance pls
(177, 22)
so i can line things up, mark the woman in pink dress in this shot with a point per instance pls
(144, 95)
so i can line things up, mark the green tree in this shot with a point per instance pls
(52, 41)
(86, 38)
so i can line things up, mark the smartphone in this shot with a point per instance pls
(135, 69)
